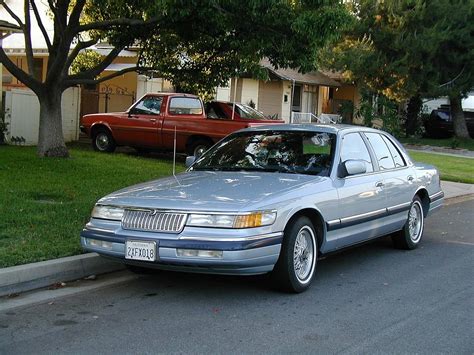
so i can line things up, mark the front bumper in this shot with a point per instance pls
(246, 254)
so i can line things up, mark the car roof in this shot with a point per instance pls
(170, 94)
(328, 128)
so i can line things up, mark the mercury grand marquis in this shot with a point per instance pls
(270, 199)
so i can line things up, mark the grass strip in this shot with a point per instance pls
(44, 203)
(450, 168)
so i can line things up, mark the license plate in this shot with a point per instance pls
(138, 250)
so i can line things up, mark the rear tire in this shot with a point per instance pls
(296, 265)
(102, 141)
(410, 236)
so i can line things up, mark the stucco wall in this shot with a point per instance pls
(249, 91)
(270, 98)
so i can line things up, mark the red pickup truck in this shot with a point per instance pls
(150, 124)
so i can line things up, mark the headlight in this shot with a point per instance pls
(254, 219)
(107, 212)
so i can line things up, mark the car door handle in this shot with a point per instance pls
(410, 178)
(379, 184)
(153, 119)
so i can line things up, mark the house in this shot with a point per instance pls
(286, 92)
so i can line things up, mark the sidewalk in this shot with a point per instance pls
(27, 277)
(456, 189)
(460, 153)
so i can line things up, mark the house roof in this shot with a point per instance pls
(104, 50)
(119, 66)
(311, 78)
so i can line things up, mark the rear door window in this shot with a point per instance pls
(396, 155)
(384, 157)
(185, 106)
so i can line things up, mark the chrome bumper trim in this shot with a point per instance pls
(437, 196)
(235, 239)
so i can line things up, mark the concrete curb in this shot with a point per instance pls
(32, 276)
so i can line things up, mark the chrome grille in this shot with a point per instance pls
(154, 221)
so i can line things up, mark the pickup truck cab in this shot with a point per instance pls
(151, 122)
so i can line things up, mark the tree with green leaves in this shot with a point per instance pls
(409, 49)
(195, 44)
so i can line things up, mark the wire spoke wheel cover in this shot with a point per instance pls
(303, 254)
(415, 222)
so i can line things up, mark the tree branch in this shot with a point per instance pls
(77, 49)
(41, 25)
(18, 73)
(27, 34)
(73, 81)
(100, 25)
(12, 14)
(76, 13)
(92, 73)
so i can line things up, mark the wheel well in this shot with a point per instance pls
(315, 218)
(425, 200)
(196, 138)
(99, 127)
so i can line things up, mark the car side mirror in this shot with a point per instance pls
(190, 161)
(354, 167)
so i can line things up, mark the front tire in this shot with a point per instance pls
(103, 141)
(410, 236)
(296, 265)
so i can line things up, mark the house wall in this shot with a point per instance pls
(270, 97)
(9, 81)
(223, 92)
(285, 106)
(119, 93)
(249, 91)
(236, 89)
(348, 92)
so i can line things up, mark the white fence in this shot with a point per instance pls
(22, 115)
(307, 117)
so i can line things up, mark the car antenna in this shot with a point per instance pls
(174, 157)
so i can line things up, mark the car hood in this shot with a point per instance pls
(209, 191)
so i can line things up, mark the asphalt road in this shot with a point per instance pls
(370, 299)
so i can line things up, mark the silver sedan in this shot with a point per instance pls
(270, 200)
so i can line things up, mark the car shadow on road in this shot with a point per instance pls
(329, 269)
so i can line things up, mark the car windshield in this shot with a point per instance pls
(297, 152)
(248, 112)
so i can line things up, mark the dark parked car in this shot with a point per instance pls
(440, 123)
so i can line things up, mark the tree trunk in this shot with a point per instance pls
(457, 114)
(413, 112)
(51, 139)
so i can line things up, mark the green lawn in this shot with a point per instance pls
(450, 168)
(44, 203)
(446, 142)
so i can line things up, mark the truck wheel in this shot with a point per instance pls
(410, 236)
(102, 141)
(296, 265)
(198, 147)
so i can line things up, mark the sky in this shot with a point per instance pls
(17, 40)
